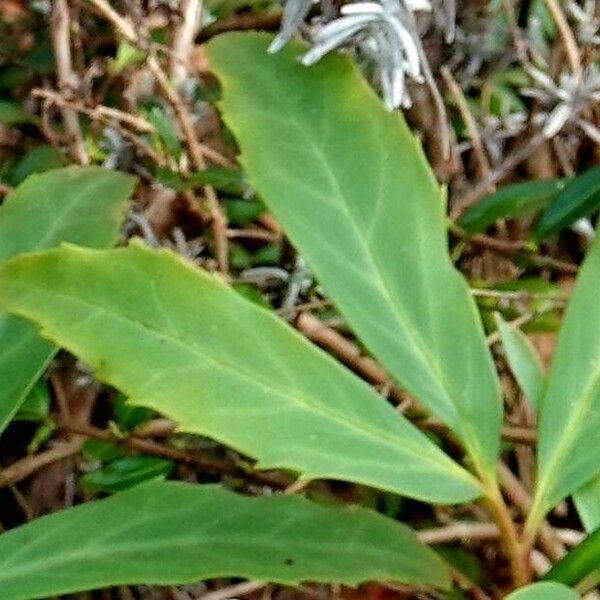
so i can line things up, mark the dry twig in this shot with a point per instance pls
(30, 464)
(67, 79)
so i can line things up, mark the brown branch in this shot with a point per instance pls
(520, 435)
(67, 79)
(219, 221)
(109, 116)
(241, 22)
(512, 247)
(183, 40)
(30, 464)
(207, 464)
(98, 113)
(522, 501)
(195, 149)
(495, 176)
(458, 531)
(567, 37)
(121, 24)
(470, 123)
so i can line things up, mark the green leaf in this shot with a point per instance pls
(36, 405)
(523, 360)
(180, 341)
(126, 472)
(568, 452)
(580, 197)
(12, 113)
(242, 212)
(510, 201)
(587, 502)
(350, 185)
(227, 180)
(101, 450)
(164, 128)
(79, 205)
(579, 563)
(544, 591)
(173, 533)
(126, 56)
(36, 160)
(230, 181)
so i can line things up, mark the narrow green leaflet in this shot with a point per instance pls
(350, 185)
(579, 197)
(544, 591)
(173, 533)
(587, 502)
(580, 563)
(510, 201)
(125, 472)
(569, 415)
(74, 204)
(523, 360)
(178, 340)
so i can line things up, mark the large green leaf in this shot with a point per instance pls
(544, 590)
(568, 450)
(180, 341)
(79, 205)
(172, 533)
(350, 185)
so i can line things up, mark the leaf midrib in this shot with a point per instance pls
(558, 457)
(396, 308)
(442, 463)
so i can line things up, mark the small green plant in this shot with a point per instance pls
(350, 185)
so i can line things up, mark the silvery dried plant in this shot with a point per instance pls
(587, 24)
(382, 31)
(564, 100)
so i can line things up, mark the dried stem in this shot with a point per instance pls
(67, 79)
(523, 502)
(219, 221)
(121, 24)
(567, 37)
(459, 532)
(110, 117)
(195, 149)
(470, 123)
(238, 589)
(30, 464)
(183, 40)
(496, 175)
(195, 459)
